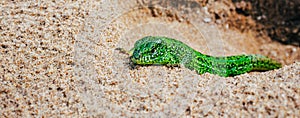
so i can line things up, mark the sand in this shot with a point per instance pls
(58, 59)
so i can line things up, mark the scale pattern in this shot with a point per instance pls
(156, 50)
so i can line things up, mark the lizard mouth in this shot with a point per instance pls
(140, 61)
(133, 60)
(136, 60)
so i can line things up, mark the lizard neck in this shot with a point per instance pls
(201, 63)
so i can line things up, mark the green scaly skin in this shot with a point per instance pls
(166, 51)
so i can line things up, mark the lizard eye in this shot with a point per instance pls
(153, 50)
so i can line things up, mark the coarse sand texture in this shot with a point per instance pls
(59, 59)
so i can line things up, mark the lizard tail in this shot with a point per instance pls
(231, 65)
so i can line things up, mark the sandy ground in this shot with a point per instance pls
(59, 59)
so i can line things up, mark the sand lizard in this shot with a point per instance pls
(167, 51)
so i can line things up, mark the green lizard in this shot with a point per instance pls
(167, 51)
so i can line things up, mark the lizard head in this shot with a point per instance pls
(149, 50)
